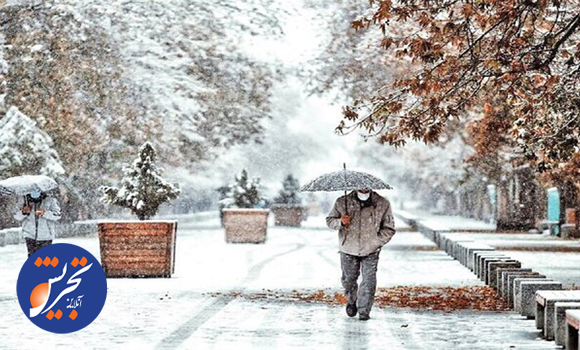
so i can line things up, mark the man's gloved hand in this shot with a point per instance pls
(26, 210)
(345, 220)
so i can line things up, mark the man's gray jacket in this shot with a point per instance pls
(370, 227)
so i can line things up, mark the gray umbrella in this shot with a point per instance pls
(23, 185)
(345, 180)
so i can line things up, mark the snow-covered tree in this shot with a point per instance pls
(290, 192)
(25, 148)
(102, 77)
(244, 192)
(3, 71)
(143, 189)
(349, 64)
(208, 94)
(467, 53)
(432, 70)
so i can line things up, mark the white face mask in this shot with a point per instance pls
(363, 196)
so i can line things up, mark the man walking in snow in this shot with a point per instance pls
(364, 221)
(37, 212)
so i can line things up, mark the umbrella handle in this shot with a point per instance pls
(345, 204)
(346, 211)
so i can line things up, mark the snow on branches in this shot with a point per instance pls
(290, 192)
(25, 148)
(143, 189)
(244, 192)
(517, 60)
(187, 71)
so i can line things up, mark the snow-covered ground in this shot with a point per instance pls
(180, 313)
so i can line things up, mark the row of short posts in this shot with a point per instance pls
(533, 295)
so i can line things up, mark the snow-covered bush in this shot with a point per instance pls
(290, 192)
(25, 148)
(244, 193)
(143, 189)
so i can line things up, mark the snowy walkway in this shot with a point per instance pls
(178, 312)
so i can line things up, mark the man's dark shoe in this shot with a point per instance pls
(351, 310)
(363, 317)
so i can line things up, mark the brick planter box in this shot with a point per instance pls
(137, 248)
(246, 225)
(288, 214)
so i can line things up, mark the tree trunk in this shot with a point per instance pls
(529, 193)
(568, 198)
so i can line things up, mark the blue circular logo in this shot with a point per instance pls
(62, 288)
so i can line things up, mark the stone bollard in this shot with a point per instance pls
(516, 289)
(491, 277)
(472, 254)
(528, 291)
(504, 289)
(484, 267)
(501, 277)
(477, 257)
(436, 235)
(444, 242)
(459, 248)
(467, 248)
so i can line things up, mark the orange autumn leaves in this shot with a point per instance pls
(432, 298)
(517, 56)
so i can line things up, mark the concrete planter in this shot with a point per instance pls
(246, 225)
(288, 214)
(138, 248)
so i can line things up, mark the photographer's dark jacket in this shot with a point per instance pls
(370, 228)
(43, 228)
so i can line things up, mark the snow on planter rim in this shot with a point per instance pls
(286, 205)
(345, 180)
(246, 209)
(136, 221)
(24, 184)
